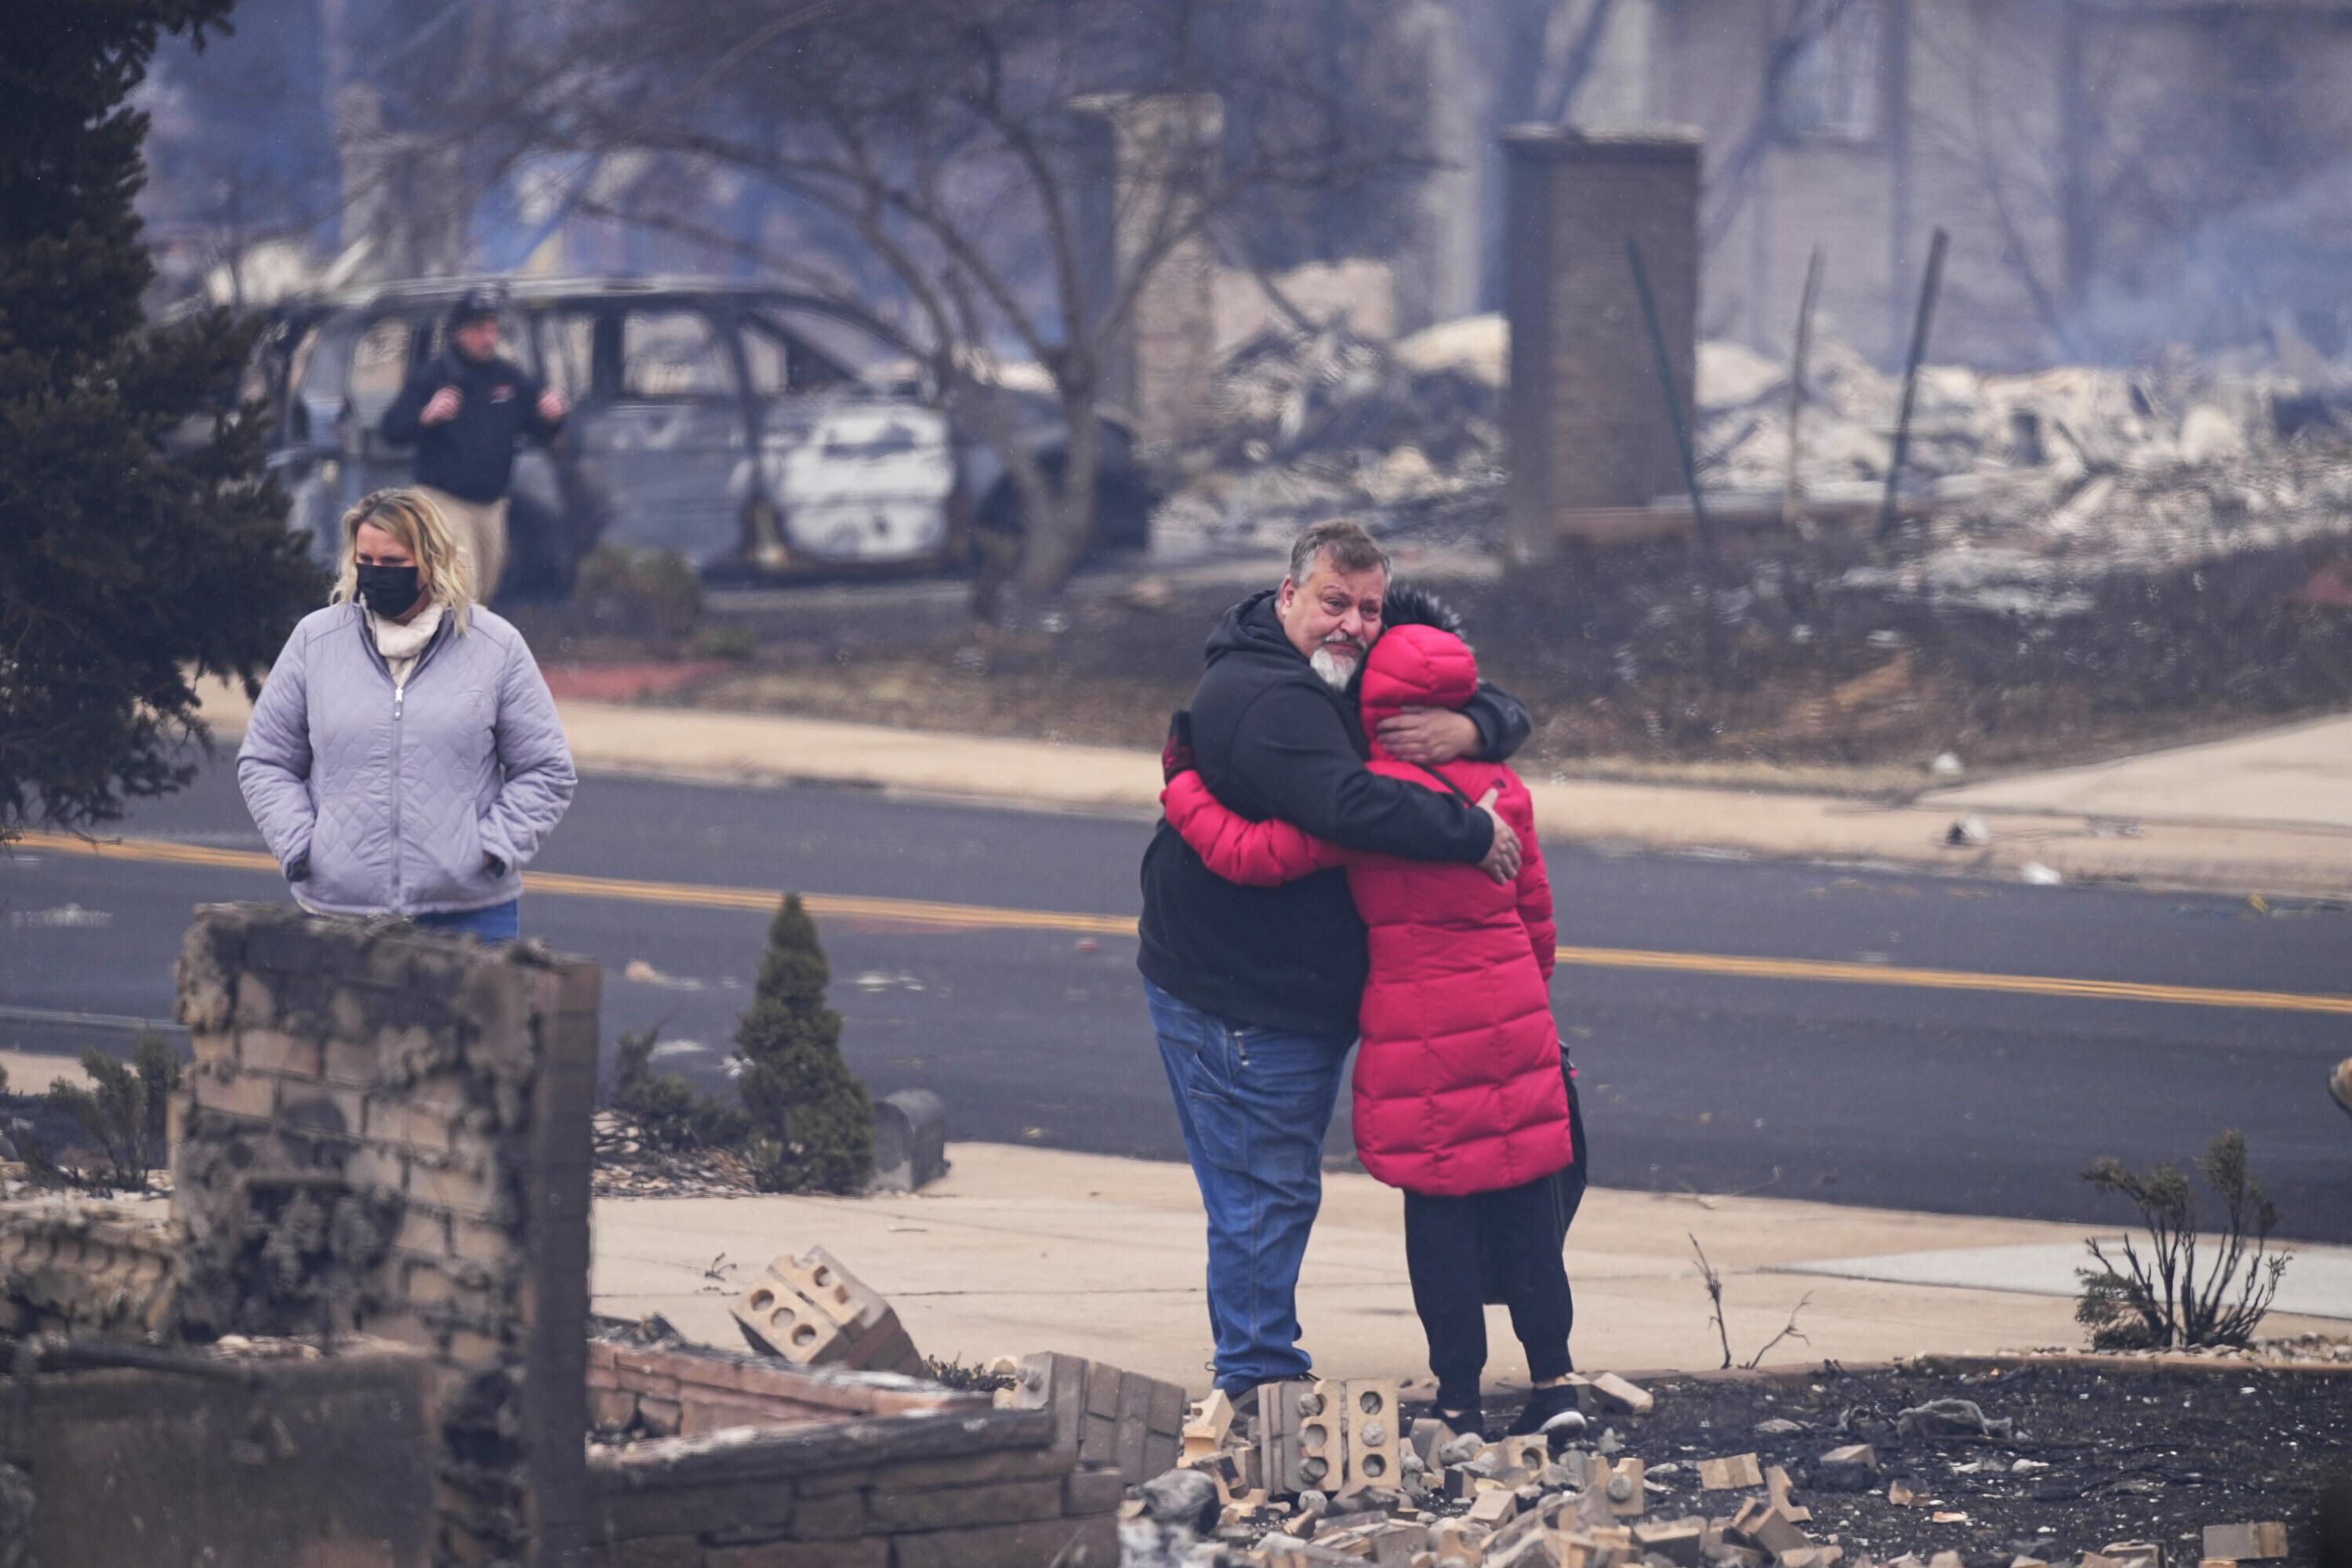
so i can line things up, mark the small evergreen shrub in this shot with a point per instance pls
(812, 1121)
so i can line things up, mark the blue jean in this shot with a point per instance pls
(1254, 1104)
(499, 923)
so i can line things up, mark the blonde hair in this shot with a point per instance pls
(445, 573)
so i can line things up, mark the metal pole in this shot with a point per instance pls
(1792, 499)
(1673, 396)
(1926, 317)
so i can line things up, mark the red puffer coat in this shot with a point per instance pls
(1458, 1086)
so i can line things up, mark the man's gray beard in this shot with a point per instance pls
(1335, 671)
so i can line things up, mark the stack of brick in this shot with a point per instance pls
(387, 1132)
(1104, 1417)
(86, 1269)
(849, 1470)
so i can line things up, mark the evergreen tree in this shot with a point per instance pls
(802, 1097)
(141, 541)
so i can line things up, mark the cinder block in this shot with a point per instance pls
(1621, 1484)
(1731, 1474)
(834, 1290)
(1678, 1540)
(1523, 1456)
(1322, 1437)
(1375, 1451)
(1619, 1397)
(779, 1321)
(1777, 1487)
(2245, 1543)
(1206, 1425)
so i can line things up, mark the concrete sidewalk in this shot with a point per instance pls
(1026, 1250)
(2269, 813)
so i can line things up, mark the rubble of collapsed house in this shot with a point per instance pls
(1331, 1472)
(2023, 486)
(1305, 426)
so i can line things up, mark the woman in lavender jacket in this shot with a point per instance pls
(406, 757)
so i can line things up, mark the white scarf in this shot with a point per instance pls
(402, 646)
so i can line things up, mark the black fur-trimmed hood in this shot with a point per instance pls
(1410, 604)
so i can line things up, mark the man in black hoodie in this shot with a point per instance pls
(464, 412)
(1254, 990)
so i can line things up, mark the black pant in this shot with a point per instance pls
(1517, 1232)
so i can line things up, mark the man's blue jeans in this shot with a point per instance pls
(499, 923)
(1254, 1104)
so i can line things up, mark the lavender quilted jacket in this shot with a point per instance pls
(376, 802)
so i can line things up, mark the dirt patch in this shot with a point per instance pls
(1829, 668)
(2099, 1452)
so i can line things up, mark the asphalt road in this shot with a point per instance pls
(1908, 1094)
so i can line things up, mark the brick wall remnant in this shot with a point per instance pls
(1584, 417)
(387, 1132)
(872, 1470)
(677, 1391)
(89, 1270)
(1149, 159)
(221, 1458)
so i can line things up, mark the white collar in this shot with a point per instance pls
(394, 640)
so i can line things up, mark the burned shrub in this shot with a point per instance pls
(2159, 1303)
(122, 1114)
(669, 1115)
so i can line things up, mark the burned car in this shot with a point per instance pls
(756, 432)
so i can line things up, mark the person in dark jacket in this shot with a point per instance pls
(464, 413)
(1254, 992)
(1461, 1100)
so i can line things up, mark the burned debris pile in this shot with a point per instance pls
(1921, 1466)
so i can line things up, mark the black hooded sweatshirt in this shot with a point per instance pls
(1272, 740)
(471, 454)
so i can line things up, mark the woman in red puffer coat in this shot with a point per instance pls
(1459, 1098)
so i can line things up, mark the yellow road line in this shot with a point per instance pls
(1834, 973)
(931, 915)
(848, 906)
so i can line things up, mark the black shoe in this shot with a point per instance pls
(1462, 1415)
(1553, 1413)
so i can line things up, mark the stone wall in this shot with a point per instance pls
(387, 1132)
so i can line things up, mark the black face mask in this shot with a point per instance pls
(389, 591)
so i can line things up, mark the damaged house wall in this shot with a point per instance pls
(2108, 172)
(387, 1132)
